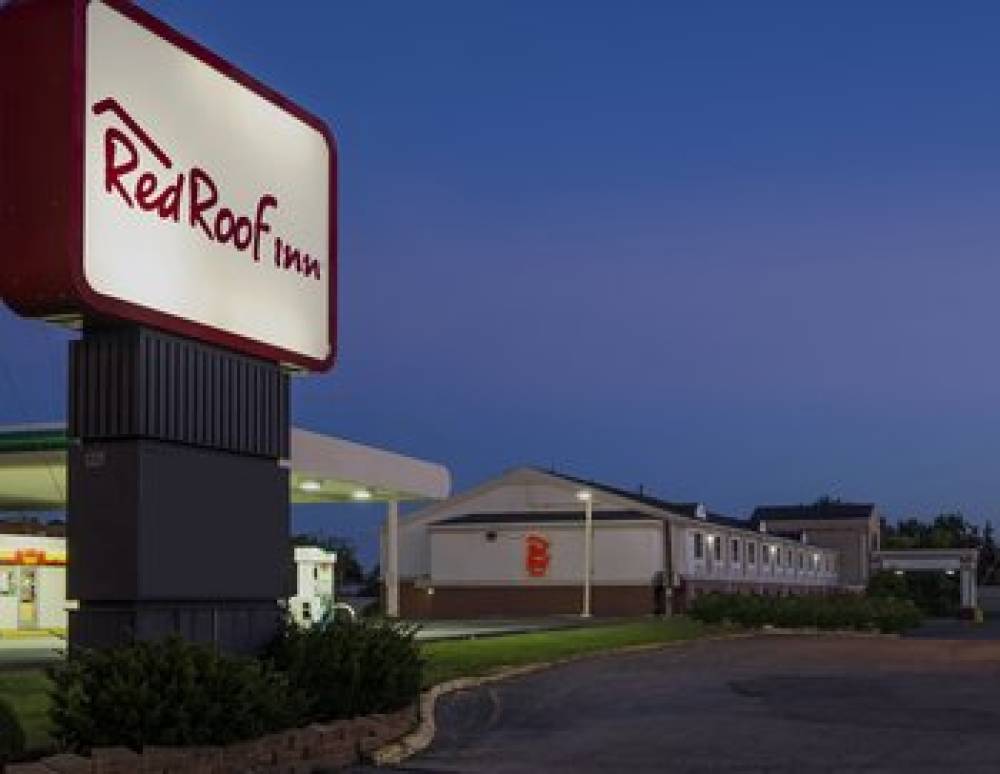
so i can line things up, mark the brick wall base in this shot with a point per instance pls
(317, 747)
(525, 601)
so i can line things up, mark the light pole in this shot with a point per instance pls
(588, 547)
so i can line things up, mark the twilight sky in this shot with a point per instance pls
(737, 252)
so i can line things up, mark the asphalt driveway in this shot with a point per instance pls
(768, 703)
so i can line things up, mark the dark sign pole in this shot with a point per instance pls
(178, 504)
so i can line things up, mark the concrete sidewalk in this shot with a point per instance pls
(458, 630)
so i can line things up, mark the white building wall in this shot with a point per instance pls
(625, 553)
(526, 490)
(521, 493)
(776, 560)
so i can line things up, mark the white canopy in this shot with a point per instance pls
(323, 469)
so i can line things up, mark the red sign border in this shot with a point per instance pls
(96, 304)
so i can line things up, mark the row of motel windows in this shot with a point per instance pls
(768, 551)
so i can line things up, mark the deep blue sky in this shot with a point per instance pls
(738, 252)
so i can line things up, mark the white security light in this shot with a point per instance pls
(310, 486)
(949, 572)
(583, 495)
(361, 494)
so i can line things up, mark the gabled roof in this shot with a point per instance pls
(815, 511)
(681, 509)
(545, 517)
(690, 510)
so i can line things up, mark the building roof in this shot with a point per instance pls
(688, 509)
(681, 509)
(815, 511)
(544, 517)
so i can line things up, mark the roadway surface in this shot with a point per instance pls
(776, 703)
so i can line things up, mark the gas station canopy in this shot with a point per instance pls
(324, 469)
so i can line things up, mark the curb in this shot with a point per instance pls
(420, 739)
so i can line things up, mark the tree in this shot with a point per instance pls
(948, 530)
(348, 568)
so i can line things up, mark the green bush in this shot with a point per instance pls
(11, 734)
(841, 611)
(934, 593)
(166, 693)
(343, 669)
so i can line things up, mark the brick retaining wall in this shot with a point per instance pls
(297, 751)
(524, 601)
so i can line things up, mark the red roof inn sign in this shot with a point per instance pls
(144, 179)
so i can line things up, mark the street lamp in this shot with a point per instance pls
(588, 546)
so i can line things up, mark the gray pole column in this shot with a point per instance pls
(392, 561)
(968, 585)
(588, 548)
(178, 516)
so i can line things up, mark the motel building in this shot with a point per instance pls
(516, 546)
(324, 470)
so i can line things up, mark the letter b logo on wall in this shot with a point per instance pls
(536, 556)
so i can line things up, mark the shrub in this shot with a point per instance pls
(933, 592)
(841, 611)
(11, 733)
(165, 693)
(343, 669)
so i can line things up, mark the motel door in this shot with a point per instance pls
(27, 606)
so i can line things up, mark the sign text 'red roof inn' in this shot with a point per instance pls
(144, 179)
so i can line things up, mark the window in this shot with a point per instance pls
(699, 546)
(765, 555)
(751, 553)
(735, 550)
(491, 536)
(802, 563)
(315, 573)
(717, 545)
(788, 557)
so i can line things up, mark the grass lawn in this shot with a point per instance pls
(26, 691)
(449, 659)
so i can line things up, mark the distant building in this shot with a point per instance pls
(851, 529)
(514, 546)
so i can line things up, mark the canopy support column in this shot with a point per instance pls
(968, 588)
(392, 561)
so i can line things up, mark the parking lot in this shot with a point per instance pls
(775, 703)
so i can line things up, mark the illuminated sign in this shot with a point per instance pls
(144, 179)
(536, 555)
(33, 556)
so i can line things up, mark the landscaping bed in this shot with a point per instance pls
(28, 691)
(833, 612)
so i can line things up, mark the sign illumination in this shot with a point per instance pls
(144, 179)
